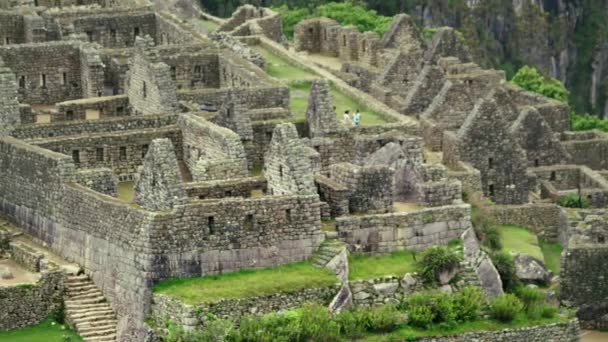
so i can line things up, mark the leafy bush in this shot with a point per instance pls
(505, 265)
(529, 78)
(548, 311)
(468, 303)
(573, 201)
(316, 324)
(587, 122)
(273, 327)
(349, 325)
(505, 308)
(291, 17)
(530, 297)
(485, 229)
(421, 316)
(436, 260)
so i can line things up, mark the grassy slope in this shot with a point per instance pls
(520, 240)
(43, 332)
(247, 284)
(300, 90)
(552, 253)
(397, 264)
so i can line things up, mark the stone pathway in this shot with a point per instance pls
(328, 250)
(88, 311)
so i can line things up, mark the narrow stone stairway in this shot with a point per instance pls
(88, 311)
(468, 275)
(328, 250)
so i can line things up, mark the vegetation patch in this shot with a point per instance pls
(247, 283)
(552, 253)
(396, 264)
(517, 240)
(47, 331)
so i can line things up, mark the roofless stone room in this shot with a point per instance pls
(256, 171)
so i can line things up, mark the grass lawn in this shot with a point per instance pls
(247, 283)
(520, 240)
(552, 253)
(43, 332)
(126, 191)
(299, 84)
(209, 25)
(396, 264)
(406, 332)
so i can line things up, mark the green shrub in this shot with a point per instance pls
(273, 327)
(505, 308)
(421, 316)
(548, 311)
(316, 324)
(485, 229)
(573, 201)
(531, 79)
(587, 122)
(505, 265)
(383, 319)
(436, 260)
(468, 303)
(349, 325)
(530, 297)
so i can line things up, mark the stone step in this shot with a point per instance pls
(93, 300)
(80, 308)
(82, 287)
(84, 296)
(98, 332)
(96, 318)
(96, 325)
(91, 313)
(111, 337)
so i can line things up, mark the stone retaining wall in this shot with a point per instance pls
(194, 316)
(380, 234)
(25, 256)
(26, 305)
(559, 332)
(546, 220)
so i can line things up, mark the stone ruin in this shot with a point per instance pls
(105, 96)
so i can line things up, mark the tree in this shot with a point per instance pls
(529, 78)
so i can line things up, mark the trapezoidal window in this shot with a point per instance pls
(69, 115)
(491, 190)
(64, 78)
(553, 176)
(136, 31)
(99, 154)
(211, 225)
(173, 73)
(344, 40)
(364, 46)
(490, 163)
(144, 90)
(22, 82)
(144, 151)
(122, 153)
(76, 156)
(249, 222)
(43, 81)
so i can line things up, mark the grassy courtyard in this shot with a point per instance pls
(520, 240)
(299, 82)
(47, 331)
(552, 253)
(247, 283)
(396, 264)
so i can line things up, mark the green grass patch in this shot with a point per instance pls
(552, 253)
(247, 283)
(406, 333)
(299, 82)
(47, 331)
(209, 25)
(396, 264)
(126, 191)
(520, 240)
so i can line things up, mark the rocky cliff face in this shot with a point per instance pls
(567, 39)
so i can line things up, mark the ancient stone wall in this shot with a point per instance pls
(105, 107)
(10, 114)
(557, 332)
(233, 233)
(590, 149)
(210, 151)
(169, 32)
(101, 180)
(116, 30)
(249, 20)
(122, 152)
(25, 256)
(548, 221)
(26, 305)
(255, 98)
(196, 316)
(12, 27)
(242, 187)
(381, 234)
(194, 71)
(114, 125)
(47, 73)
(370, 187)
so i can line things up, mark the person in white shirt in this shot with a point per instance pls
(347, 119)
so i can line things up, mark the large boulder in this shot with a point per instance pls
(530, 270)
(343, 300)
(489, 278)
(5, 273)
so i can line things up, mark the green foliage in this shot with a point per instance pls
(505, 308)
(468, 303)
(435, 260)
(573, 201)
(531, 79)
(548, 311)
(425, 309)
(505, 265)
(350, 325)
(382, 319)
(48, 330)
(485, 229)
(316, 324)
(531, 298)
(291, 17)
(429, 32)
(421, 316)
(587, 122)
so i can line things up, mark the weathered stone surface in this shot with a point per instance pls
(530, 270)
(408, 283)
(5, 273)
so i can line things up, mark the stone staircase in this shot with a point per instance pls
(88, 311)
(468, 275)
(328, 250)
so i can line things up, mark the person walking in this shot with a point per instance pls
(347, 119)
(357, 118)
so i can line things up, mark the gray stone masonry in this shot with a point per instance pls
(286, 165)
(9, 106)
(159, 185)
(321, 115)
(370, 187)
(151, 89)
